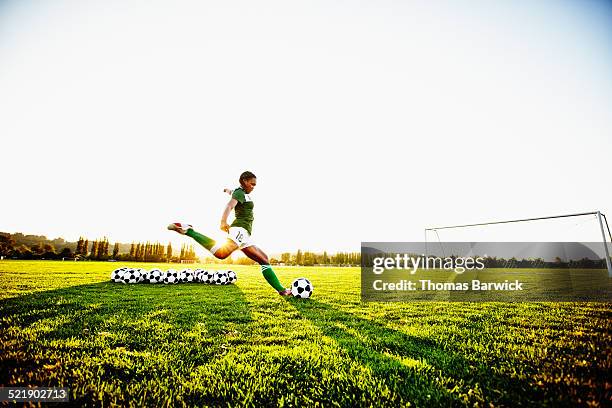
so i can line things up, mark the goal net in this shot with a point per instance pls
(577, 236)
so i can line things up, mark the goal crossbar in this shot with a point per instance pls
(509, 221)
(601, 217)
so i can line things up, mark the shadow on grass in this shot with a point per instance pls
(184, 322)
(189, 303)
(415, 369)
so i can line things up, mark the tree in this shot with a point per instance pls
(38, 249)
(94, 250)
(298, 257)
(105, 252)
(115, 250)
(24, 252)
(65, 253)
(79, 249)
(7, 243)
(191, 253)
(140, 252)
(49, 251)
(169, 252)
(308, 258)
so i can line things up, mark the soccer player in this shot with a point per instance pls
(239, 233)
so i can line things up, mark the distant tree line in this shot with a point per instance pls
(506, 263)
(584, 263)
(300, 258)
(307, 258)
(20, 246)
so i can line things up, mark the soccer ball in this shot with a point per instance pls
(171, 277)
(117, 275)
(124, 275)
(183, 275)
(301, 288)
(196, 275)
(131, 276)
(155, 276)
(207, 276)
(188, 278)
(220, 278)
(143, 275)
(231, 277)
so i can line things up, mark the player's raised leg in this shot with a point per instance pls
(219, 251)
(261, 258)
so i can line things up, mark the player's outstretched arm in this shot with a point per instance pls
(226, 212)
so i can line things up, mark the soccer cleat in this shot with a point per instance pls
(286, 292)
(180, 228)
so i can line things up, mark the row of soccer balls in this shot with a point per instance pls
(300, 287)
(172, 276)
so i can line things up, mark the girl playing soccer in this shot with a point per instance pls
(239, 233)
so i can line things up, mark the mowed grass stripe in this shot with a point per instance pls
(64, 323)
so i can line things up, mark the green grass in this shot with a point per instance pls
(65, 324)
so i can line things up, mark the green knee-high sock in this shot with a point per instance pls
(270, 276)
(201, 239)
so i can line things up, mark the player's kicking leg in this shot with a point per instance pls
(219, 251)
(225, 250)
(261, 258)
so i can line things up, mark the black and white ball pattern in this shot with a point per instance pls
(231, 277)
(117, 275)
(131, 276)
(171, 277)
(143, 275)
(220, 278)
(188, 278)
(155, 276)
(183, 275)
(207, 276)
(301, 288)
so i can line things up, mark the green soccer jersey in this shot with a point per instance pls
(243, 210)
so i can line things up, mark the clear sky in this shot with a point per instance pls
(364, 121)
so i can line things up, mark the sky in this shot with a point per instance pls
(363, 121)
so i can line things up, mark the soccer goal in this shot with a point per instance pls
(587, 227)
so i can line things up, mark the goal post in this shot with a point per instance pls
(603, 234)
(598, 214)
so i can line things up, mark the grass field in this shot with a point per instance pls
(65, 324)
